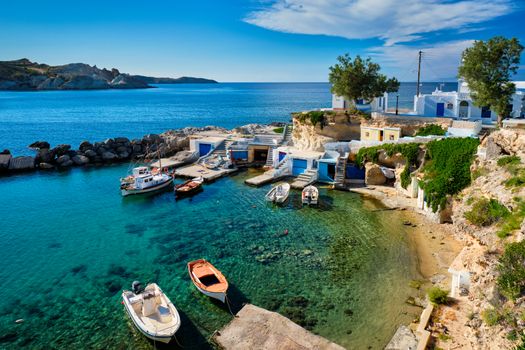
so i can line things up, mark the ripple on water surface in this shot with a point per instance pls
(71, 244)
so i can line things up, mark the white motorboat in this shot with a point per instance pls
(151, 311)
(143, 180)
(279, 193)
(310, 195)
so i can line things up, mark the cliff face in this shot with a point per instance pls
(26, 75)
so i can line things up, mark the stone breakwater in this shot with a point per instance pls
(114, 150)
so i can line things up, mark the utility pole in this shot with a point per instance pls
(420, 53)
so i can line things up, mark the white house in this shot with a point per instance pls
(378, 104)
(458, 105)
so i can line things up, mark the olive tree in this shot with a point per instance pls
(487, 68)
(359, 79)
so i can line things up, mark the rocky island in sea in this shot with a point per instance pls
(25, 75)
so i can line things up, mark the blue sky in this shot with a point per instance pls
(265, 40)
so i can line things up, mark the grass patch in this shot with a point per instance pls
(438, 296)
(491, 317)
(447, 170)
(513, 221)
(431, 129)
(416, 284)
(479, 172)
(509, 160)
(486, 212)
(278, 130)
(518, 180)
(511, 281)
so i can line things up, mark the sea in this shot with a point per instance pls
(71, 243)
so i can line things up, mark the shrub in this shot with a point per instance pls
(511, 281)
(514, 220)
(278, 130)
(314, 117)
(490, 316)
(438, 296)
(486, 212)
(431, 129)
(447, 171)
(509, 160)
(518, 180)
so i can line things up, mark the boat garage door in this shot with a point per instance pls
(298, 167)
(204, 149)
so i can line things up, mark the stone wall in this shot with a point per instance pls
(408, 124)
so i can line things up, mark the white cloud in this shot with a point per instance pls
(393, 21)
(441, 60)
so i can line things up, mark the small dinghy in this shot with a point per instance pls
(279, 193)
(189, 187)
(151, 311)
(208, 279)
(310, 195)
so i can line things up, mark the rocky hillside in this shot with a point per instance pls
(26, 75)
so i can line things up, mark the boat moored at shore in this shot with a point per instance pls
(189, 187)
(310, 195)
(279, 193)
(208, 280)
(143, 180)
(151, 311)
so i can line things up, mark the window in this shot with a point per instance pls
(450, 106)
(391, 137)
(367, 134)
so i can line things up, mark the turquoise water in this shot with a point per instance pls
(70, 243)
(73, 116)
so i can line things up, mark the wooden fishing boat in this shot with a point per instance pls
(279, 193)
(143, 180)
(310, 195)
(151, 311)
(208, 280)
(189, 187)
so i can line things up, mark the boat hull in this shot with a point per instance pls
(155, 188)
(218, 296)
(164, 339)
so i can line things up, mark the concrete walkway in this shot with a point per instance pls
(260, 180)
(257, 328)
(198, 170)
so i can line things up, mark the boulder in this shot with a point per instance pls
(122, 149)
(5, 151)
(40, 145)
(137, 148)
(4, 161)
(61, 149)
(64, 160)
(374, 175)
(90, 153)
(22, 163)
(109, 142)
(151, 139)
(121, 140)
(85, 145)
(123, 155)
(492, 150)
(108, 156)
(80, 159)
(44, 155)
(45, 166)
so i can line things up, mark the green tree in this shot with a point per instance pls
(487, 68)
(511, 280)
(359, 79)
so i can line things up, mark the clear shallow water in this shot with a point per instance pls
(73, 116)
(70, 243)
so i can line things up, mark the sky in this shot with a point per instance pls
(256, 40)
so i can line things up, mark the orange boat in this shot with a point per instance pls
(189, 187)
(208, 279)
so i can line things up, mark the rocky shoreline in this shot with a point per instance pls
(113, 150)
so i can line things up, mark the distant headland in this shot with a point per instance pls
(24, 75)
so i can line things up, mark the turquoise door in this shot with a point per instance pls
(204, 149)
(298, 167)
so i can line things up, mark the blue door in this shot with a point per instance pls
(298, 167)
(440, 109)
(204, 149)
(281, 156)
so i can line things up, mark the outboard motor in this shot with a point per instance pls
(136, 287)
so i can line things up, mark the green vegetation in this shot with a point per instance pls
(491, 317)
(512, 160)
(447, 170)
(359, 79)
(511, 281)
(431, 129)
(513, 221)
(438, 296)
(486, 212)
(409, 151)
(487, 67)
(479, 172)
(416, 284)
(313, 116)
(278, 130)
